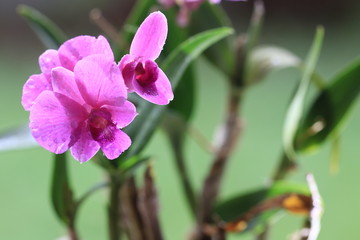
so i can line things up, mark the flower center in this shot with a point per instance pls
(101, 126)
(146, 73)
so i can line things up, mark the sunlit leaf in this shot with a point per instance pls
(296, 107)
(330, 110)
(49, 33)
(61, 192)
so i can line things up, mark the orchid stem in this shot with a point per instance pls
(72, 232)
(213, 180)
(114, 208)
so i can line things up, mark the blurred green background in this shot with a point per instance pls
(25, 211)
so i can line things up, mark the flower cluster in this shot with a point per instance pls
(79, 100)
(186, 7)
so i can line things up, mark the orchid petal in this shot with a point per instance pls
(100, 82)
(159, 92)
(113, 149)
(49, 60)
(63, 81)
(85, 147)
(150, 38)
(54, 119)
(127, 66)
(80, 47)
(122, 115)
(35, 85)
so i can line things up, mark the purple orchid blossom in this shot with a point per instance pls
(84, 111)
(69, 53)
(141, 74)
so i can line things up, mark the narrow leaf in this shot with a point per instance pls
(221, 54)
(330, 110)
(176, 128)
(295, 110)
(16, 139)
(49, 33)
(61, 192)
(140, 11)
(174, 66)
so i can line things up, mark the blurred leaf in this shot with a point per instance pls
(176, 63)
(174, 66)
(221, 54)
(61, 192)
(176, 127)
(264, 59)
(295, 110)
(237, 206)
(255, 25)
(184, 101)
(131, 164)
(49, 33)
(329, 111)
(231, 209)
(17, 138)
(335, 154)
(139, 12)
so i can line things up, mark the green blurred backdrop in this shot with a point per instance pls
(25, 211)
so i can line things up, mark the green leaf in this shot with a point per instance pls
(330, 110)
(131, 164)
(49, 33)
(61, 192)
(264, 59)
(235, 207)
(16, 139)
(184, 102)
(295, 110)
(221, 54)
(140, 11)
(174, 66)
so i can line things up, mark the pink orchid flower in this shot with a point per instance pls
(141, 74)
(69, 53)
(84, 111)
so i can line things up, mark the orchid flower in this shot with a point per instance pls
(139, 69)
(85, 109)
(69, 53)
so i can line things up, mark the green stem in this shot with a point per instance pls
(114, 208)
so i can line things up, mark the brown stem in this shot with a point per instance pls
(133, 221)
(211, 186)
(72, 232)
(149, 206)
